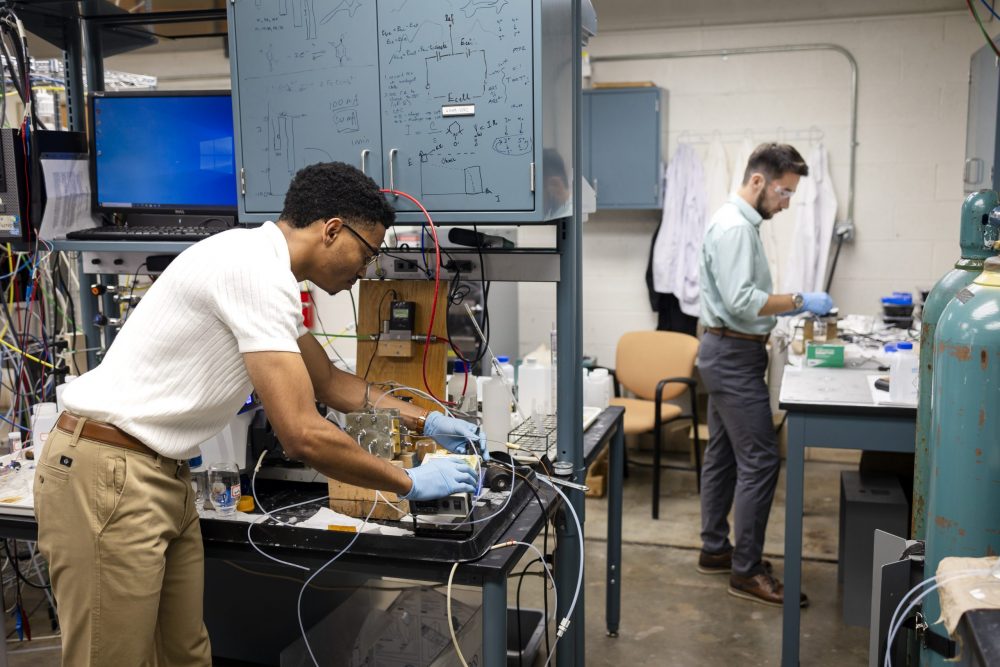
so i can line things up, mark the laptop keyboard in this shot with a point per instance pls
(158, 233)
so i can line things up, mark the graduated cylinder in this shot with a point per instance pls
(962, 505)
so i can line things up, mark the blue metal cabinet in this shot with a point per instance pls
(981, 129)
(624, 131)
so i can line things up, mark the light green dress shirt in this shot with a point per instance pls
(735, 278)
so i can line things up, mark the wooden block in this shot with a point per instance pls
(425, 447)
(408, 371)
(356, 501)
(359, 509)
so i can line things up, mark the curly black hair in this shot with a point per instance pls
(335, 190)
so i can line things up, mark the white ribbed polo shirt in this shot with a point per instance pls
(174, 375)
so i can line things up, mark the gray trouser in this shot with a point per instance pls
(742, 459)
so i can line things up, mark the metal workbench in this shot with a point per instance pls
(827, 407)
(400, 556)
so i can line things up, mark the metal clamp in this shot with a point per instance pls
(392, 168)
(364, 161)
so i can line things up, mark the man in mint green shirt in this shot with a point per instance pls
(738, 310)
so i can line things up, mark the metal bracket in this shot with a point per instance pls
(931, 640)
(845, 230)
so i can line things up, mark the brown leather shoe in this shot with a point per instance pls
(762, 588)
(709, 563)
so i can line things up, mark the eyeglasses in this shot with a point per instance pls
(374, 252)
(784, 193)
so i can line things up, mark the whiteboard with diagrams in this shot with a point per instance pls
(435, 97)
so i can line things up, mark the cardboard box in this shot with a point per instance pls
(824, 355)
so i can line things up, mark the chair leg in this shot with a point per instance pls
(656, 471)
(697, 441)
(697, 455)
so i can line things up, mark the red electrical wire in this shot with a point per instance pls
(437, 283)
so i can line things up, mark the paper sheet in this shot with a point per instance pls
(67, 205)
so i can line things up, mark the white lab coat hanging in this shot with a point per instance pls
(815, 216)
(678, 245)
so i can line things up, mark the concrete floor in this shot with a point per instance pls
(671, 615)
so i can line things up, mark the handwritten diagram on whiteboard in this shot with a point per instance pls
(474, 56)
(446, 83)
(307, 77)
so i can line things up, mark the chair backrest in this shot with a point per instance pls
(643, 358)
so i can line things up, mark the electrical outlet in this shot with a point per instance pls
(404, 265)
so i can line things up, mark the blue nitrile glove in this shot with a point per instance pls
(455, 434)
(440, 476)
(817, 303)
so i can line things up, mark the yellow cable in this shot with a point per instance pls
(25, 354)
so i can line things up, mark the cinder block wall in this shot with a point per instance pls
(913, 74)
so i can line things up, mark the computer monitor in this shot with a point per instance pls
(166, 152)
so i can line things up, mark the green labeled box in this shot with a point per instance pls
(824, 355)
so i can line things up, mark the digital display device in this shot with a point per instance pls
(162, 152)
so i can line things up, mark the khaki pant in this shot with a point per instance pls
(121, 535)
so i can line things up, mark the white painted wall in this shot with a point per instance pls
(912, 117)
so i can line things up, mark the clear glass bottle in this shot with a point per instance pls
(224, 486)
(199, 482)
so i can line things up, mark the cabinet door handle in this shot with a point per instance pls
(364, 161)
(392, 168)
(978, 164)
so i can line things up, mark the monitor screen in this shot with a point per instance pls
(163, 152)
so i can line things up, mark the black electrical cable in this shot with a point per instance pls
(521, 575)
(483, 344)
(17, 570)
(545, 551)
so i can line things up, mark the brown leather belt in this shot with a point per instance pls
(723, 332)
(103, 433)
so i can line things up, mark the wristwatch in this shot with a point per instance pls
(422, 421)
(798, 300)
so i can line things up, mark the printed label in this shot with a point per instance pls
(458, 110)
(10, 223)
(964, 295)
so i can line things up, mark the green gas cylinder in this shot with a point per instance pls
(974, 228)
(963, 518)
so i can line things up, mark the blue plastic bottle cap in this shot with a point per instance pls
(459, 367)
(890, 347)
(904, 346)
(503, 360)
(194, 462)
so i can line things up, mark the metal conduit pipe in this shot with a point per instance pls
(844, 231)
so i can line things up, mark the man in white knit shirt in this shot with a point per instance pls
(113, 496)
